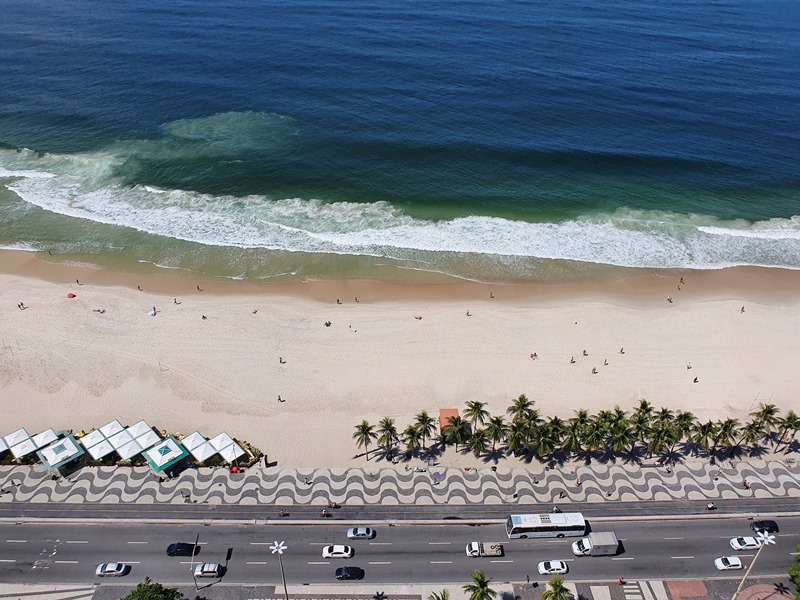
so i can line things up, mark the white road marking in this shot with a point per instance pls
(77, 542)
(682, 557)
(318, 563)
(623, 558)
(378, 562)
(380, 543)
(138, 542)
(315, 543)
(66, 562)
(261, 543)
(256, 562)
(502, 561)
(674, 538)
(8, 560)
(16, 541)
(441, 562)
(439, 543)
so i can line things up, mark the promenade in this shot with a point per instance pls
(407, 487)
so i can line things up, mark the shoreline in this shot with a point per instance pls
(67, 366)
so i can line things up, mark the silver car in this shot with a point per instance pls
(360, 533)
(745, 543)
(728, 563)
(208, 570)
(111, 569)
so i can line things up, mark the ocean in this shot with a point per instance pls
(520, 140)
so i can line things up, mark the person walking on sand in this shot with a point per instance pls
(622, 350)
(175, 301)
(743, 309)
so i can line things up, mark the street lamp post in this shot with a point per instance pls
(278, 548)
(765, 538)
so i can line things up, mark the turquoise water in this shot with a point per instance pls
(516, 141)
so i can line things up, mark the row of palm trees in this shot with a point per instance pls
(479, 589)
(523, 431)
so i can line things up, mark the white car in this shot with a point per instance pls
(360, 533)
(548, 567)
(728, 563)
(745, 543)
(112, 570)
(208, 570)
(337, 551)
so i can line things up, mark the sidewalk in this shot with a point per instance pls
(390, 486)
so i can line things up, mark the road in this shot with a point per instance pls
(69, 553)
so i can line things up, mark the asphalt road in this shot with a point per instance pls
(69, 553)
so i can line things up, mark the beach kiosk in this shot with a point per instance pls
(445, 416)
(60, 453)
(165, 454)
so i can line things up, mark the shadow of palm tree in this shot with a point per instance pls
(757, 451)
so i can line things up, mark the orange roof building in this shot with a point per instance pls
(445, 415)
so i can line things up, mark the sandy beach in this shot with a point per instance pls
(67, 365)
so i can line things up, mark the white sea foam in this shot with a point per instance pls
(83, 186)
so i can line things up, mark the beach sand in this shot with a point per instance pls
(68, 367)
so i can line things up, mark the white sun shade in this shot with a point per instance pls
(231, 452)
(193, 440)
(149, 438)
(138, 429)
(100, 450)
(92, 438)
(44, 438)
(121, 439)
(109, 429)
(129, 450)
(203, 451)
(19, 436)
(23, 449)
(221, 441)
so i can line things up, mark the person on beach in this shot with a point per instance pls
(669, 299)
(572, 360)
(204, 317)
(78, 282)
(338, 301)
(175, 301)
(585, 353)
(622, 350)
(281, 361)
(594, 370)
(743, 309)
(138, 287)
(491, 295)
(356, 298)
(688, 366)
(695, 380)
(21, 306)
(469, 315)
(605, 362)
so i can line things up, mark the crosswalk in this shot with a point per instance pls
(645, 590)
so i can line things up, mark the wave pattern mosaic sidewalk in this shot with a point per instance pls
(392, 486)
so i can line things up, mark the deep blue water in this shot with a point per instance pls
(477, 138)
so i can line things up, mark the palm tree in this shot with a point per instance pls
(726, 433)
(517, 437)
(479, 588)
(595, 435)
(520, 409)
(387, 434)
(767, 417)
(621, 436)
(479, 442)
(476, 413)
(426, 425)
(573, 436)
(791, 422)
(497, 430)
(456, 432)
(683, 424)
(443, 595)
(556, 590)
(751, 433)
(364, 436)
(412, 438)
(663, 436)
(664, 415)
(703, 434)
(645, 409)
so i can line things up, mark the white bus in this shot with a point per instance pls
(545, 525)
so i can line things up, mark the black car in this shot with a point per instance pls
(348, 573)
(182, 549)
(768, 526)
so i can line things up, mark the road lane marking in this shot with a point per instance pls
(138, 542)
(77, 542)
(66, 562)
(261, 543)
(439, 543)
(16, 541)
(11, 560)
(441, 562)
(623, 558)
(256, 562)
(379, 562)
(674, 538)
(380, 543)
(682, 557)
(502, 561)
(319, 562)
(311, 543)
